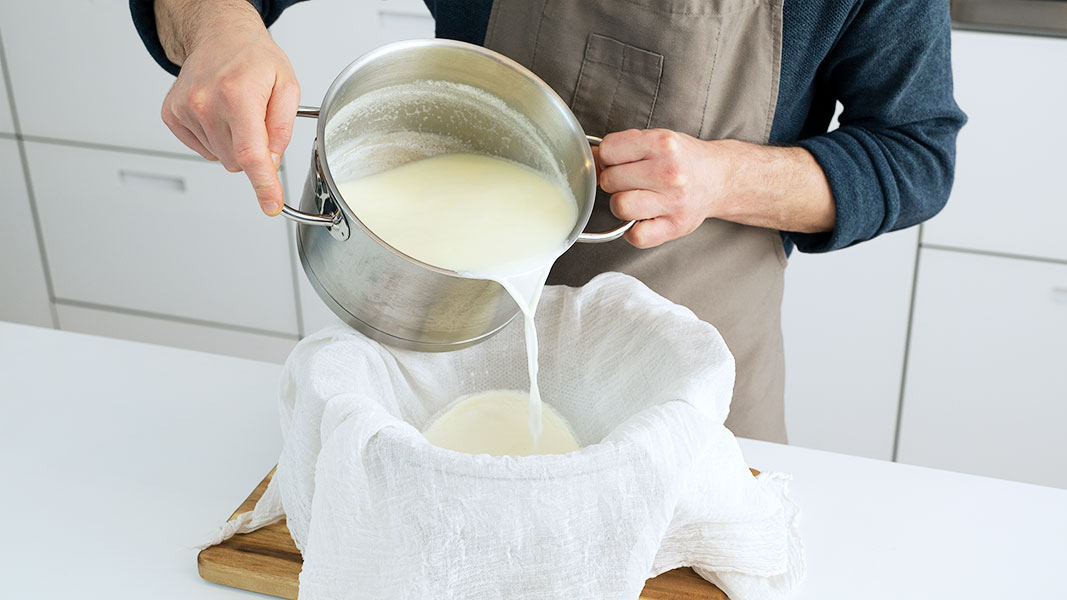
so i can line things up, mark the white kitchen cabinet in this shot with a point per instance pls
(1009, 195)
(845, 321)
(324, 36)
(7, 120)
(166, 236)
(23, 289)
(314, 314)
(80, 72)
(343, 31)
(403, 20)
(191, 336)
(297, 159)
(986, 387)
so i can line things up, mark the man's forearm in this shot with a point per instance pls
(777, 188)
(182, 23)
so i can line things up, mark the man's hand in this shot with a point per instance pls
(236, 97)
(670, 182)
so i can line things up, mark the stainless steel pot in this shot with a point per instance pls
(376, 289)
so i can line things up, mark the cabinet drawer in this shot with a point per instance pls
(23, 292)
(80, 72)
(1009, 195)
(161, 235)
(7, 121)
(986, 389)
(165, 332)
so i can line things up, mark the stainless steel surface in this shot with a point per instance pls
(1035, 17)
(607, 236)
(309, 219)
(380, 291)
(334, 222)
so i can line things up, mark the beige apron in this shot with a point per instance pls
(708, 68)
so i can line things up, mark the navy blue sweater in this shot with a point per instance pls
(891, 161)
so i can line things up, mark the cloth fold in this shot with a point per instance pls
(660, 483)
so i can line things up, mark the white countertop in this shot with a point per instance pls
(115, 457)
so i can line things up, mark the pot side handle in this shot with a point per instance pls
(334, 222)
(606, 236)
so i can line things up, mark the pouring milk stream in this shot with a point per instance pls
(487, 218)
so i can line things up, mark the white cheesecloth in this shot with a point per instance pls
(378, 512)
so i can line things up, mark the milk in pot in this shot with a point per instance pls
(489, 218)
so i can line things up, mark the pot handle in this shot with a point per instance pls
(334, 222)
(606, 236)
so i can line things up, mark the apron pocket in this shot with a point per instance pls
(617, 86)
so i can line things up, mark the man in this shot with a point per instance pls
(714, 116)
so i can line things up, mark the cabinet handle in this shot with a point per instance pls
(1059, 295)
(151, 180)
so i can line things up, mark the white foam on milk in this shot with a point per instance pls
(394, 125)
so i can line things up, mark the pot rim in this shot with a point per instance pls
(331, 93)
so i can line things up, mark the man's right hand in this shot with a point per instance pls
(236, 96)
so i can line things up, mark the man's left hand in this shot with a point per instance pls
(667, 181)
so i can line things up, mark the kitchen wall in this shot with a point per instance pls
(943, 345)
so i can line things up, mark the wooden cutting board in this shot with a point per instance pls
(267, 561)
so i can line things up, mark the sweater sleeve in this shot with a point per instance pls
(144, 19)
(890, 163)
